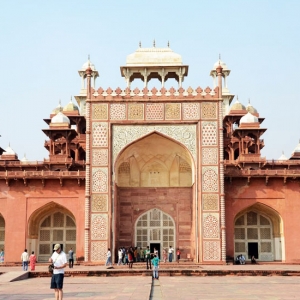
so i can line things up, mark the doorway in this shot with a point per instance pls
(253, 250)
(156, 246)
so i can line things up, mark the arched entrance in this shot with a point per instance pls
(48, 225)
(257, 233)
(155, 229)
(2, 233)
(56, 228)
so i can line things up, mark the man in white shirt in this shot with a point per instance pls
(24, 259)
(108, 258)
(171, 250)
(59, 260)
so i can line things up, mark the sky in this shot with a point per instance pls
(45, 43)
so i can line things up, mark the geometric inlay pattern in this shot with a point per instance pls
(99, 226)
(100, 157)
(98, 251)
(208, 111)
(99, 111)
(118, 111)
(191, 111)
(209, 133)
(154, 111)
(124, 135)
(99, 203)
(211, 250)
(99, 136)
(210, 179)
(209, 156)
(136, 112)
(210, 202)
(211, 226)
(172, 111)
(99, 180)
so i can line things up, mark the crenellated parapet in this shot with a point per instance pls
(154, 94)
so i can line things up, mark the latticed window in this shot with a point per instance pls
(57, 228)
(155, 227)
(250, 229)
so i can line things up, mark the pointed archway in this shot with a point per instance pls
(2, 233)
(49, 225)
(258, 232)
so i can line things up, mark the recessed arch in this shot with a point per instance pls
(154, 161)
(2, 232)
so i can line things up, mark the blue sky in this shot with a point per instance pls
(44, 44)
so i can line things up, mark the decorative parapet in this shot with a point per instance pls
(145, 94)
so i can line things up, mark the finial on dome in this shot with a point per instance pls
(237, 97)
(71, 98)
(140, 44)
(59, 102)
(88, 57)
(168, 44)
(249, 100)
(154, 43)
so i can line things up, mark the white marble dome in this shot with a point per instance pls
(9, 150)
(70, 107)
(237, 106)
(154, 57)
(249, 118)
(60, 118)
(221, 63)
(87, 64)
(57, 109)
(251, 109)
(282, 157)
(297, 149)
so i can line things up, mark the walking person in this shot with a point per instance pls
(164, 255)
(2, 256)
(130, 255)
(178, 254)
(59, 260)
(108, 258)
(32, 261)
(120, 256)
(25, 259)
(171, 250)
(155, 263)
(71, 258)
(148, 258)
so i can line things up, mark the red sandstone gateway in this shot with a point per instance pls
(159, 167)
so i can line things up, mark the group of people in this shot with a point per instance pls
(241, 260)
(25, 258)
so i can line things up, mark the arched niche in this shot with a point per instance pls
(154, 161)
(2, 232)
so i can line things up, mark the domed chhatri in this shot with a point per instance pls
(222, 64)
(71, 106)
(9, 150)
(87, 64)
(60, 118)
(237, 105)
(249, 118)
(251, 109)
(282, 157)
(57, 109)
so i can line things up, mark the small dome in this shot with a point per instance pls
(9, 150)
(87, 64)
(57, 109)
(222, 64)
(154, 57)
(60, 118)
(70, 107)
(237, 106)
(249, 118)
(251, 109)
(282, 157)
(24, 159)
(297, 149)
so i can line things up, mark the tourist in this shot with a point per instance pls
(148, 258)
(71, 258)
(178, 255)
(164, 255)
(120, 256)
(171, 250)
(24, 259)
(155, 263)
(2, 256)
(32, 261)
(142, 255)
(130, 255)
(253, 260)
(59, 260)
(108, 258)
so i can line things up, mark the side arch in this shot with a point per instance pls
(259, 226)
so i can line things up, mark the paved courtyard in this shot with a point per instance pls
(133, 287)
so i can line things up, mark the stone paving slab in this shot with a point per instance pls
(138, 288)
(13, 276)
